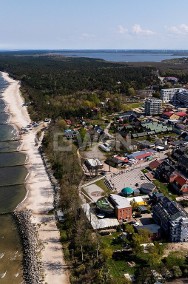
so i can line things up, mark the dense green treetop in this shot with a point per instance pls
(64, 86)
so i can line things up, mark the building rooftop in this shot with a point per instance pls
(156, 126)
(123, 159)
(153, 165)
(181, 114)
(148, 185)
(168, 113)
(103, 203)
(127, 191)
(180, 180)
(94, 162)
(120, 202)
(141, 154)
(171, 208)
(138, 199)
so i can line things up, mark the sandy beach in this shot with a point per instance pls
(40, 194)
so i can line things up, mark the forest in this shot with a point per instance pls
(63, 86)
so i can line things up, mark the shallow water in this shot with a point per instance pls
(10, 197)
(12, 175)
(9, 146)
(2, 105)
(12, 159)
(10, 252)
(8, 132)
(3, 117)
(12, 192)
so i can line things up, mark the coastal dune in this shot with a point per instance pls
(39, 199)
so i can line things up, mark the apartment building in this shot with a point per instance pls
(167, 95)
(181, 97)
(172, 218)
(153, 106)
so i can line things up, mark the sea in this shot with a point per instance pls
(12, 191)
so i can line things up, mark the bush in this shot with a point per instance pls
(174, 259)
(177, 271)
(63, 236)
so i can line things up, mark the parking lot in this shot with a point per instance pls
(125, 178)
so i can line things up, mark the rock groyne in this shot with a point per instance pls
(32, 270)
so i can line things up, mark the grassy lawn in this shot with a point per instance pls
(102, 185)
(164, 189)
(130, 106)
(117, 268)
(170, 134)
(98, 122)
(106, 241)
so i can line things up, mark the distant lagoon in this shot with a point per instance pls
(126, 55)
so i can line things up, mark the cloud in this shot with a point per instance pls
(178, 30)
(122, 30)
(87, 36)
(138, 30)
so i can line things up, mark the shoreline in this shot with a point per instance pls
(39, 198)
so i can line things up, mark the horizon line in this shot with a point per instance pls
(91, 49)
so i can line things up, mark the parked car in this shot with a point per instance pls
(136, 224)
(60, 216)
(104, 147)
(100, 216)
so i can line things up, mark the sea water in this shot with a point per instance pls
(12, 191)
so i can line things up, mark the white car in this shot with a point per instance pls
(100, 216)
(104, 147)
(136, 224)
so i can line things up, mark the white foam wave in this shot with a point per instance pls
(2, 275)
(1, 255)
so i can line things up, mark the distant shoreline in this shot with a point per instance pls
(110, 55)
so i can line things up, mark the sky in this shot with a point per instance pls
(93, 24)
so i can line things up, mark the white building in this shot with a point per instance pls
(93, 164)
(167, 95)
(153, 106)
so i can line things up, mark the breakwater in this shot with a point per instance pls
(32, 269)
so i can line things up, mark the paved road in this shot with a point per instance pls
(106, 130)
(94, 153)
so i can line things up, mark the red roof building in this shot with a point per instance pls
(179, 183)
(143, 156)
(168, 114)
(181, 114)
(68, 121)
(154, 164)
(124, 160)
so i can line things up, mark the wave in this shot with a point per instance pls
(2, 275)
(1, 255)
